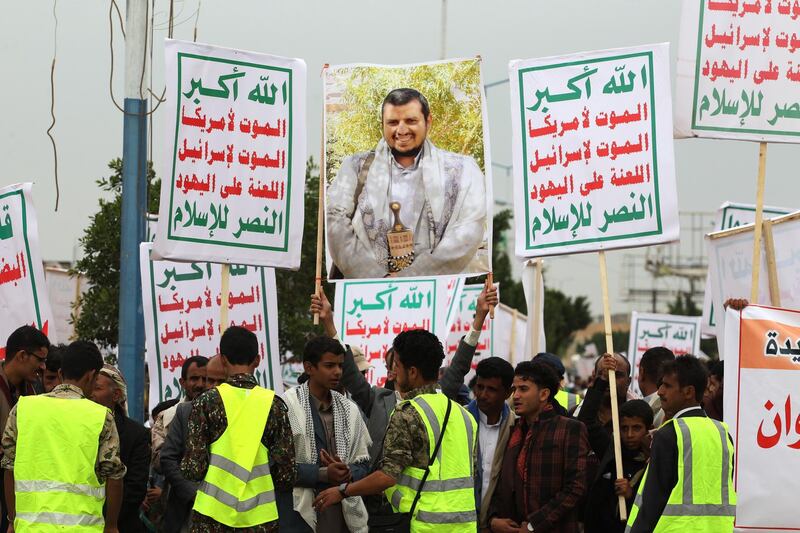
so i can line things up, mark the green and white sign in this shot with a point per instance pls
(738, 76)
(233, 188)
(593, 151)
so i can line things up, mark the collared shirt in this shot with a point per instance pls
(331, 519)
(108, 464)
(682, 411)
(208, 422)
(487, 437)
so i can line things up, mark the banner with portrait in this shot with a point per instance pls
(407, 170)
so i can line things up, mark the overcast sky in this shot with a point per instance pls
(89, 128)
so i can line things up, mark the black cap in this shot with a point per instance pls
(553, 360)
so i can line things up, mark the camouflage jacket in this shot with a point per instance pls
(208, 422)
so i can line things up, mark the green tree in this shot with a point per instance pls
(99, 318)
(684, 305)
(618, 337)
(562, 315)
(295, 287)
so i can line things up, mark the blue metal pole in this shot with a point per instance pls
(132, 232)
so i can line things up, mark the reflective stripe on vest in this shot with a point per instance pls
(447, 500)
(238, 490)
(567, 400)
(698, 505)
(55, 484)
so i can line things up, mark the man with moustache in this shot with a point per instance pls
(441, 194)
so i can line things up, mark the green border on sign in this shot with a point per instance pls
(649, 56)
(491, 321)
(266, 325)
(21, 194)
(155, 326)
(346, 284)
(170, 236)
(695, 125)
(692, 323)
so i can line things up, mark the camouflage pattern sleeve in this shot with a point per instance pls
(9, 441)
(109, 464)
(157, 437)
(280, 443)
(406, 442)
(206, 424)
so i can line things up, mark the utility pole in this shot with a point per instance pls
(443, 49)
(134, 207)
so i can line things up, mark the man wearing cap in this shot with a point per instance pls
(111, 391)
(567, 400)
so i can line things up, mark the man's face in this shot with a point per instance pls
(49, 380)
(195, 382)
(633, 431)
(621, 375)
(405, 127)
(490, 394)
(528, 397)
(327, 372)
(32, 362)
(402, 380)
(673, 397)
(215, 372)
(105, 392)
(715, 387)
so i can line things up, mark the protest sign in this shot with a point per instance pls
(233, 187)
(730, 264)
(386, 212)
(503, 336)
(761, 403)
(370, 314)
(737, 74)
(63, 291)
(593, 151)
(182, 318)
(730, 215)
(23, 292)
(681, 334)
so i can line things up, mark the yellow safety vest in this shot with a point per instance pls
(567, 400)
(55, 484)
(238, 490)
(703, 500)
(447, 500)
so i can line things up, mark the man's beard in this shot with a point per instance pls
(408, 153)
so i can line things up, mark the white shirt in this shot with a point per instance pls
(403, 189)
(679, 413)
(487, 438)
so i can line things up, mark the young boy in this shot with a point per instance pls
(602, 514)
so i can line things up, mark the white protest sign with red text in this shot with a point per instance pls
(370, 314)
(233, 188)
(738, 73)
(762, 410)
(23, 292)
(593, 151)
(681, 334)
(181, 303)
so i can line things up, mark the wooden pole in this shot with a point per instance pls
(223, 310)
(320, 209)
(537, 307)
(762, 171)
(76, 307)
(772, 268)
(490, 283)
(512, 351)
(612, 381)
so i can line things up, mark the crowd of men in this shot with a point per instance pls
(336, 454)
